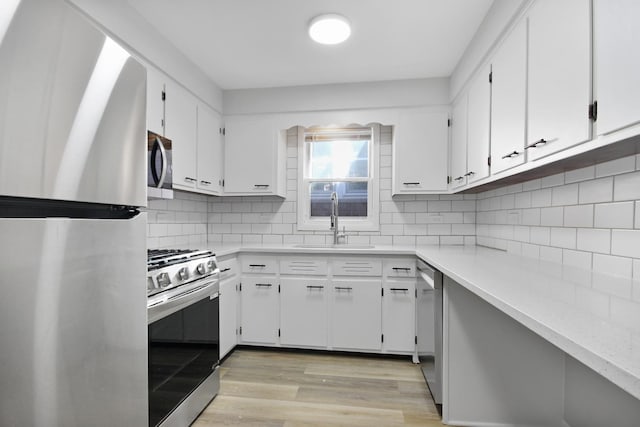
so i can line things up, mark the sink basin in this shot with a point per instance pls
(330, 246)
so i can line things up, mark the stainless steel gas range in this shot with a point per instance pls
(183, 334)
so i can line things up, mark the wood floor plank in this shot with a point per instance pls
(282, 388)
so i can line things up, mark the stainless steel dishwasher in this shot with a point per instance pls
(429, 328)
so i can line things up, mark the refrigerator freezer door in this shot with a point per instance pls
(73, 322)
(72, 109)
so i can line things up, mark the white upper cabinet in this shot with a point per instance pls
(255, 157)
(508, 101)
(478, 126)
(420, 152)
(459, 143)
(209, 151)
(559, 76)
(617, 63)
(180, 128)
(155, 101)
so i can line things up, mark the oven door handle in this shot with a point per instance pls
(158, 145)
(164, 308)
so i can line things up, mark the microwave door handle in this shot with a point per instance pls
(165, 163)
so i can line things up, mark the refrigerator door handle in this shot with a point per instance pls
(158, 146)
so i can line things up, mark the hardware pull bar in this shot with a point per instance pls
(264, 285)
(343, 288)
(402, 268)
(411, 183)
(315, 287)
(541, 141)
(511, 155)
(257, 265)
(224, 270)
(399, 289)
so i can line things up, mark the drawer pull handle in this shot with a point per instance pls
(541, 141)
(469, 173)
(205, 182)
(460, 178)
(343, 288)
(224, 270)
(189, 179)
(410, 183)
(261, 185)
(315, 287)
(511, 155)
(399, 289)
(257, 265)
(402, 268)
(263, 285)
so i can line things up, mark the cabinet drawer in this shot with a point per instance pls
(400, 268)
(228, 268)
(259, 264)
(357, 267)
(306, 266)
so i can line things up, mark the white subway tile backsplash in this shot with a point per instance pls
(625, 243)
(552, 216)
(565, 195)
(541, 235)
(552, 180)
(439, 206)
(531, 216)
(594, 240)
(614, 215)
(577, 258)
(541, 198)
(563, 237)
(616, 167)
(627, 186)
(578, 216)
(615, 265)
(578, 175)
(548, 253)
(595, 191)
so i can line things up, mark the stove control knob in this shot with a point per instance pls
(163, 280)
(183, 273)
(201, 269)
(211, 265)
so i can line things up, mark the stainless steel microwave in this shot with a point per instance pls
(159, 166)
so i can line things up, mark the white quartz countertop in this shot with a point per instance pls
(593, 317)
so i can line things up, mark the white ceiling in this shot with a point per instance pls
(263, 43)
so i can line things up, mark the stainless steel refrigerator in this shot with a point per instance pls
(73, 327)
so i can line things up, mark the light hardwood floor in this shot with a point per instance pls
(283, 388)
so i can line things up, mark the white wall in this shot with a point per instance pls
(493, 27)
(406, 220)
(348, 96)
(588, 218)
(136, 34)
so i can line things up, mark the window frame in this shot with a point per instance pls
(369, 223)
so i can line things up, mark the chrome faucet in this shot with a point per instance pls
(334, 220)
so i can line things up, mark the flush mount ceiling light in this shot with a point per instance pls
(329, 29)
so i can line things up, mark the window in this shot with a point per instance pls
(340, 161)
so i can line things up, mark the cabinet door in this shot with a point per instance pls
(209, 151)
(559, 75)
(356, 314)
(420, 152)
(303, 311)
(478, 124)
(399, 316)
(259, 313)
(251, 156)
(155, 101)
(459, 143)
(228, 315)
(180, 128)
(617, 37)
(508, 101)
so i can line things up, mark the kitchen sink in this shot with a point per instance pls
(331, 246)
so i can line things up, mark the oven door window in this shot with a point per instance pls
(183, 351)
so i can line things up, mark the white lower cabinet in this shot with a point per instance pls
(303, 311)
(259, 314)
(228, 315)
(356, 315)
(399, 316)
